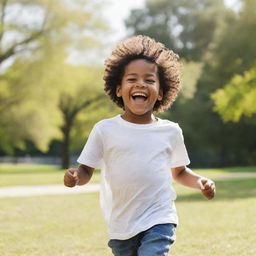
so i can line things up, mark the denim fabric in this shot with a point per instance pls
(155, 241)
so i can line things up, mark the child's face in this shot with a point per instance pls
(140, 88)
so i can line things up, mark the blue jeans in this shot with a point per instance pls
(153, 242)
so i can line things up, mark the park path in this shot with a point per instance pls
(24, 191)
(236, 175)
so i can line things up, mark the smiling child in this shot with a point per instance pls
(139, 154)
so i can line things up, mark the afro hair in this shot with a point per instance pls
(144, 47)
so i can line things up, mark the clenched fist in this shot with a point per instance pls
(71, 177)
(207, 188)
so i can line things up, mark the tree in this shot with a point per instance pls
(234, 64)
(227, 49)
(35, 46)
(237, 98)
(187, 27)
(49, 21)
(81, 102)
(232, 53)
(190, 74)
(28, 106)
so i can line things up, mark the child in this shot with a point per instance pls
(136, 150)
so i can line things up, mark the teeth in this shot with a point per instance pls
(139, 94)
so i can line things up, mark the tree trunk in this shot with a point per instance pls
(69, 115)
(65, 161)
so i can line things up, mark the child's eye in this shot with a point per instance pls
(150, 81)
(131, 79)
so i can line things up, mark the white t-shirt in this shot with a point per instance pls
(135, 161)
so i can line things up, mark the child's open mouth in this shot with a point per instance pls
(139, 97)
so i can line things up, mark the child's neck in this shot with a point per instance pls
(148, 118)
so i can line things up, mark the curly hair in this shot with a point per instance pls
(144, 47)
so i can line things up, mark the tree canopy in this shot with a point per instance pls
(218, 45)
(36, 38)
(237, 98)
(187, 27)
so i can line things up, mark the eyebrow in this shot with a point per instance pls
(134, 74)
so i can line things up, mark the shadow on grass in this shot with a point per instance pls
(227, 190)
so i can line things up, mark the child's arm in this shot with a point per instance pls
(187, 177)
(78, 176)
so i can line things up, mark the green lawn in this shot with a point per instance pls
(72, 225)
(27, 174)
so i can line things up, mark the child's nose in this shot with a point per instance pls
(140, 84)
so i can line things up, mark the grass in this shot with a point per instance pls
(222, 227)
(28, 174)
(72, 225)
(52, 225)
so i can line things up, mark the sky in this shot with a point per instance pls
(117, 11)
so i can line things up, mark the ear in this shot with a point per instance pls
(160, 95)
(118, 91)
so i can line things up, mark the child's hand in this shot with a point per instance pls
(207, 187)
(71, 177)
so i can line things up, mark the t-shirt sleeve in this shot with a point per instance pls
(179, 155)
(92, 152)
